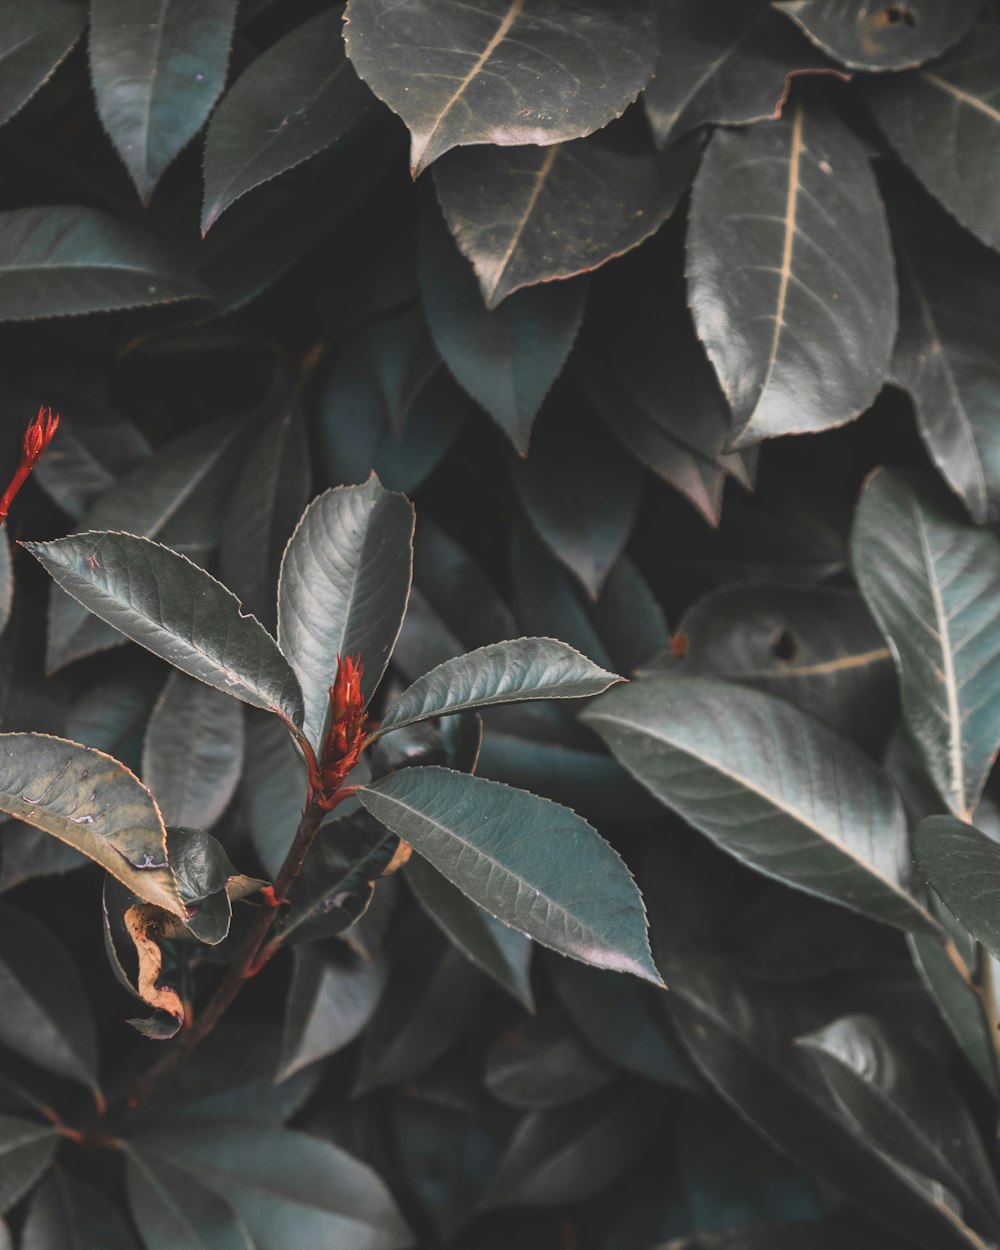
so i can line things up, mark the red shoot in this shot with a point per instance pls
(345, 738)
(37, 437)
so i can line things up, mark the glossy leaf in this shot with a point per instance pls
(770, 785)
(526, 215)
(26, 1149)
(62, 262)
(35, 36)
(89, 800)
(577, 66)
(963, 866)
(543, 1063)
(193, 754)
(503, 672)
(170, 606)
(531, 863)
(64, 1212)
(157, 68)
(272, 790)
(335, 598)
(933, 586)
(788, 245)
(865, 34)
(507, 359)
(174, 1210)
(294, 100)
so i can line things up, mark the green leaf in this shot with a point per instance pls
(26, 1150)
(788, 244)
(506, 359)
(944, 123)
(193, 753)
(92, 802)
(770, 785)
(170, 606)
(174, 1211)
(933, 586)
(963, 866)
(269, 498)
(526, 215)
(345, 579)
(906, 1105)
(542, 1063)
(157, 68)
(6, 581)
(65, 1213)
(534, 865)
(291, 1191)
(503, 672)
(273, 790)
(863, 35)
(35, 37)
(207, 883)
(294, 100)
(500, 952)
(453, 75)
(46, 1016)
(61, 262)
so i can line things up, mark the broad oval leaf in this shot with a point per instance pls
(65, 1212)
(933, 586)
(963, 866)
(542, 1063)
(770, 785)
(35, 36)
(534, 865)
(345, 580)
(453, 75)
(295, 99)
(790, 274)
(944, 122)
(87, 799)
(873, 35)
(62, 262)
(157, 67)
(175, 1212)
(170, 606)
(26, 1150)
(503, 672)
(527, 215)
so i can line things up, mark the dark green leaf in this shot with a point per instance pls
(157, 68)
(294, 100)
(345, 579)
(629, 618)
(112, 716)
(963, 866)
(6, 581)
(506, 359)
(532, 214)
(175, 1212)
(531, 863)
(89, 800)
(26, 1149)
(66, 1214)
(788, 245)
(868, 34)
(273, 790)
(770, 785)
(933, 586)
(543, 1063)
(26, 852)
(452, 74)
(61, 262)
(35, 36)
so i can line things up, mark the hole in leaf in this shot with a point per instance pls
(784, 647)
(897, 14)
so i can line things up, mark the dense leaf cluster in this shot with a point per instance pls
(426, 368)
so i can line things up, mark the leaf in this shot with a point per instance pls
(628, 617)
(175, 1212)
(62, 262)
(293, 101)
(273, 790)
(787, 246)
(35, 38)
(173, 496)
(770, 785)
(6, 582)
(543, 1063)
(193, 754)
(64, 1213)
(26, 1150)
(944, 123)
(330, 1001)
(963, 866)
(933, 586)
(207, 883)
(500, 952)
(503, 672)
(905, 1104)
(731, 64)
(345, 579)
(580, 490)
(534, 865)
(269, 498)
(156, 71)
(89, 800)
(453, 76)
(865, 34)
(170, 606)
(47, 1016)
(526, 215)
(291, 1191)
